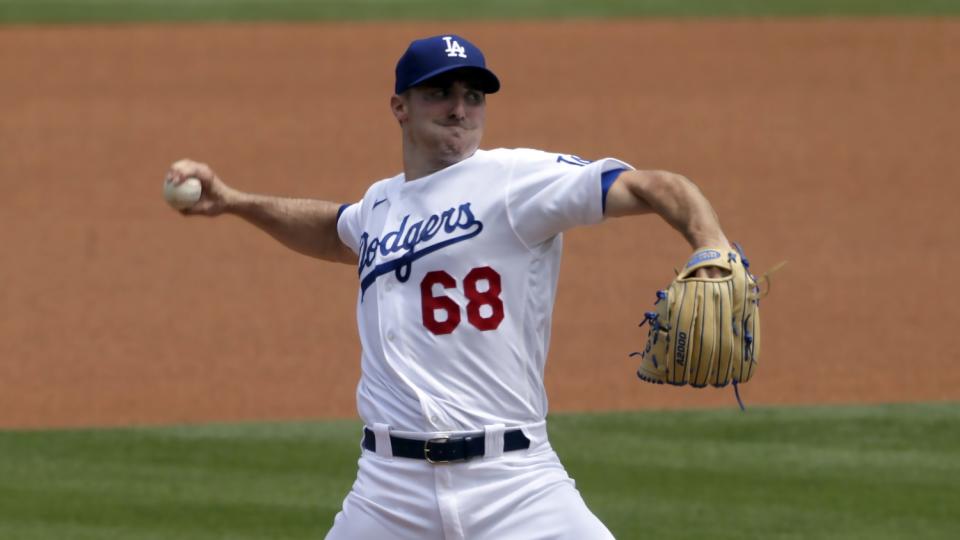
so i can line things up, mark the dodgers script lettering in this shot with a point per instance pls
(413, 241)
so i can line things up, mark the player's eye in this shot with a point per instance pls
(474, 97)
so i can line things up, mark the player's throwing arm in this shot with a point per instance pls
(307, 226)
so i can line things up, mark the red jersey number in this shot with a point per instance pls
(481, 287)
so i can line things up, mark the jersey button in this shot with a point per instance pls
(391, 336)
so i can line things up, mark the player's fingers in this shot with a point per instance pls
(198, 209)
(175, 177)
(183, 164)
(179, 170)
(204, 207)
(711, 272)
(187, 168)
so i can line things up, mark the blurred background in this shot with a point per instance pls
(826, 142)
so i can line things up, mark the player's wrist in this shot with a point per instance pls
(237, 202)
(715, 239)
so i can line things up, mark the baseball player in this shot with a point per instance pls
(457, 262)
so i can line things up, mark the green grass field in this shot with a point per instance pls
(46, 11)
(812, 472)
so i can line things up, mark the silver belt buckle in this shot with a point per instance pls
(426, 449)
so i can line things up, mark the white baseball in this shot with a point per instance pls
(184, 195)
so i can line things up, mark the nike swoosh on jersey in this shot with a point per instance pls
(377, 203)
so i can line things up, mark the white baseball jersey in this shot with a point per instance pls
(458, 273)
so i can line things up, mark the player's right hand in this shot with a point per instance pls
(215, 196)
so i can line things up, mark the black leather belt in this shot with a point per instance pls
(445, 449)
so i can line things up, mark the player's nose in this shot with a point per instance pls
(458, 108)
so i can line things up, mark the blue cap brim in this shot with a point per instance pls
(485, 80)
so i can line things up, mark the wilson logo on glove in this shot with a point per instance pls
(703, 255)
(680, 357)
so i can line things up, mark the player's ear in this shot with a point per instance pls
(398, 104)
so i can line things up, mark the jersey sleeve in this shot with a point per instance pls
(550, 193)
(350, 217)
(349, 225)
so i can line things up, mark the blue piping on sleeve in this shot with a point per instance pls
(344, 207)
(606, 180)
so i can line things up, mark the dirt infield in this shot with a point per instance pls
(829, 143)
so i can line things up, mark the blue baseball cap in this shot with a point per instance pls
(429, 57)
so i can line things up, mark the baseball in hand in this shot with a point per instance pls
(182, 196)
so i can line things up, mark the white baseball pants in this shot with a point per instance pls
(518, 495)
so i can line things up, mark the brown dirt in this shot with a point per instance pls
(830, 143)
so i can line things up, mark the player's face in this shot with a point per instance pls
(444, 118)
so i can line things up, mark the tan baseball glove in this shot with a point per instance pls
(705, 331)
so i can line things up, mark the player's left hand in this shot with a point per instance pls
(711, 272)
(707, 333)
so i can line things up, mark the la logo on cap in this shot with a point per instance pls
(454, 48)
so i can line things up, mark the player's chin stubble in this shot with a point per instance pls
(458, 142)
